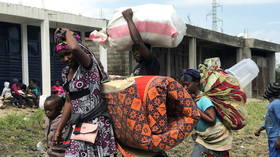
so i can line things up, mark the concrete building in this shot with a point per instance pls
(200, 44)
(204, 43)
(27, 48)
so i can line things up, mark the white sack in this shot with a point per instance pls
(159, 25)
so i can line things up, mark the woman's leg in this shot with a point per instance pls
(199, 150)
(161, 154)
(35, 102)
(221, 154)
(29, 102)
(19, 99)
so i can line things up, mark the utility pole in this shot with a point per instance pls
(214, 15)
(43, 4)
(215, 19)
(101, 13)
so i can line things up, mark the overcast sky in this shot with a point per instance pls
(257, 18)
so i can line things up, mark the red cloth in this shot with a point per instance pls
(15, 89)
(58, 89)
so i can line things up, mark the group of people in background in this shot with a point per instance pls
(20, 94)
(23, 96)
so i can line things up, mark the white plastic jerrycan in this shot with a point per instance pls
(245, 71)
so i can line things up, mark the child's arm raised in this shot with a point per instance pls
(64, 119)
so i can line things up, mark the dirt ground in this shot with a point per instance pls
(243, 146)
(15, 110)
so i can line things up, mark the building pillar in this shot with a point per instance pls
(271, 65)
(247, 53)
(243, 53)
(24, 54)
(239, 52)
(192, 53)
(103, 57)
(45, 57)
(83, 36)
(199, 55)
(168, 62)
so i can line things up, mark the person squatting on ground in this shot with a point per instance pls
(29, 98)
(272, 119)
(212, 138)
(53, 106)
(6, 92)
(58, 90)
(82, 78)
(17, 93)
(6, 95)
(147, 62)
(34, 90)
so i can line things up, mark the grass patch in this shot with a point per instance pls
(245, 142)
(19, 133)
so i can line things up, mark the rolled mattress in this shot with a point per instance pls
(153, 113)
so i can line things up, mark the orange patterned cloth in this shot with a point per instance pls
(155, 113)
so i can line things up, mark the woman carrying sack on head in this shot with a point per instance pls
(82, 78)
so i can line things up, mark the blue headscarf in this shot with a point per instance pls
(190, 75)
